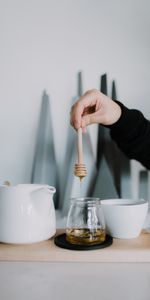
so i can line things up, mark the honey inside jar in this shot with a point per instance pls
(85, 236)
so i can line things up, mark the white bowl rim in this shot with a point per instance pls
(123, 202)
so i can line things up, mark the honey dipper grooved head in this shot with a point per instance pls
(80, 170)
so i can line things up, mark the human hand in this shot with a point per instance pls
(94, 107)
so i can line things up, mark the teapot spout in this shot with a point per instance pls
(50, 189)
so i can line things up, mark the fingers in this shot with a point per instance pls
(76, 113)
(88, 102)
(88, 120)
(94, 107)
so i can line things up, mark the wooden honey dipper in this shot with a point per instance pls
(80, 168)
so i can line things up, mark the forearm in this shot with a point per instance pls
(132, 135)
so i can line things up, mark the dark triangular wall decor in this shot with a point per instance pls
(104, 186)
(115, 160)
(120, 163)
(44, 170)
(113, 91)
(101, 129)
(104, 145)
(103, 84)
(80, 84)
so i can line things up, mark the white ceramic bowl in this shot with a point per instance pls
(124, 218)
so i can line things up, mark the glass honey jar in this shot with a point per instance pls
(85, 222)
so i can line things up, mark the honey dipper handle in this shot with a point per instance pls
(79, 147)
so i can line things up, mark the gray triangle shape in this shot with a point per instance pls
(104, 185)
(44, 170)
(67, 159)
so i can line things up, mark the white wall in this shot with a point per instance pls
(43, 44)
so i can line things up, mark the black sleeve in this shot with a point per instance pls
(132, 135)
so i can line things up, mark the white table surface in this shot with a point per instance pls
(72, 281)
(43, 271)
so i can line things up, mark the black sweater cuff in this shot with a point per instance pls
(127, 120)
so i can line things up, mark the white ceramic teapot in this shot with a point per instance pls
(27, 213)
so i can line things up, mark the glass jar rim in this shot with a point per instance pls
(86, 200)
